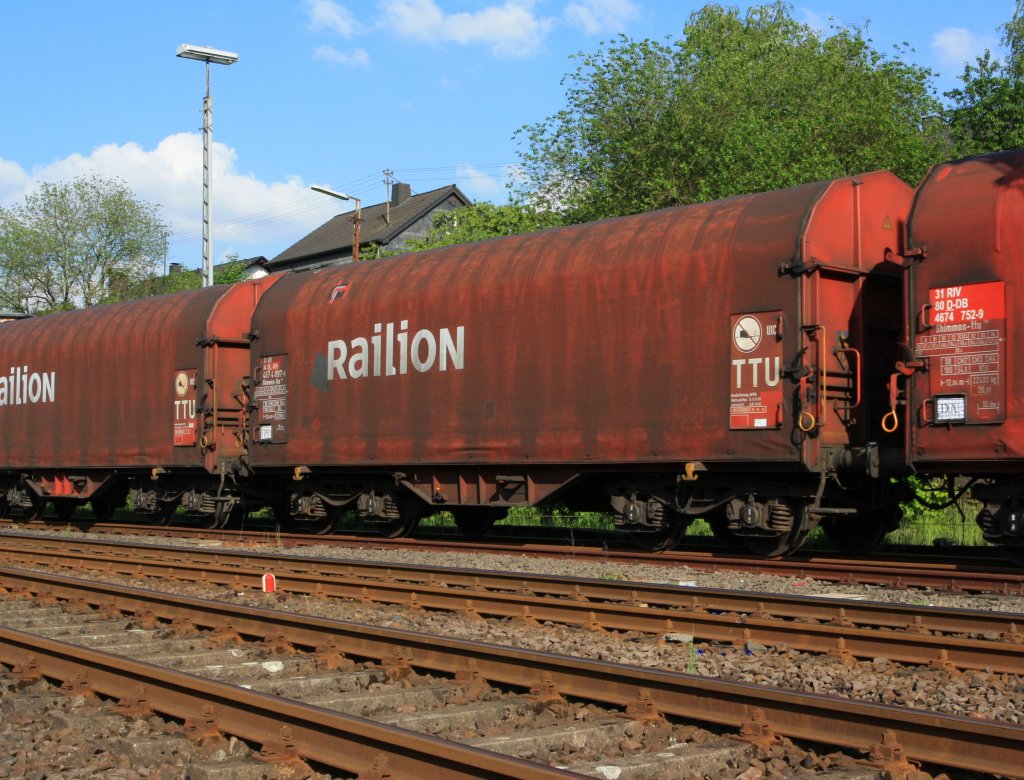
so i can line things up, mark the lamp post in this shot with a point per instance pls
(207, 55)
(356, 219)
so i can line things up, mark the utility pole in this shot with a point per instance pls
(207, 55)
(388, 173)
(356, 219)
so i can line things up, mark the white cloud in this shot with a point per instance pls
(13, 182)
(815, 21)
(956, 45)
(326, 14)
(600, 16)
(510, 30)
(355, 58)
(483, 186)
(250, 217)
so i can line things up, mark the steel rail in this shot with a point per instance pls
(332, 738)
(858, 612)
(633, 607)
(951, 741)
(955, 576)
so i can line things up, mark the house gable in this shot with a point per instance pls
(390, 225)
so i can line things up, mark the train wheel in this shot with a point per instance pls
(64, 507)
(474, 522)
(225, 515)
(410, 509)
(35, 510)
(857, 534)
(104, 506)
(164, 513)
(109, 501)
(327, 524)
(787, 542)
(292, 512)
(323, 527)
(208, 521)
(403, 526)
(663, 539)
(769, 546)
(719, 524)
(282, 510)
(5, 505)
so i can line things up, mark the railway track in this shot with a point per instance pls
(976, 574)
(573, 694)
(289, 731)
(910, 634)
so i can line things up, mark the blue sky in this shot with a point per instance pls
(335, 91)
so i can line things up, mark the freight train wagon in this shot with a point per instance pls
(145, 397)
(962, 371)
(726, 360)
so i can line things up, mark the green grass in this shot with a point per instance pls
(920, 526)
(533, 517)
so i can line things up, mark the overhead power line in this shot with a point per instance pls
(363, 185)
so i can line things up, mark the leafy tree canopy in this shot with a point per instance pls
(78, 243)
(230, 271)
(740, 103)
(1013, 39)
(987, 113)
(482, 221)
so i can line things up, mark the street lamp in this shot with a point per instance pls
(207, 55)
(356, 219)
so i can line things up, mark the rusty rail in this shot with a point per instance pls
(868, 613)
(619, 606)
(984, 576)
(343, 741)
(982, 746)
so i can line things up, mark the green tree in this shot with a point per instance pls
(75, 244)
(986, 114)
(481, 221)
(1013, 39)
(230, 271)
(740, 103)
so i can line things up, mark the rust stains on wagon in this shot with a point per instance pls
(964, 411)
(145, 396)
(608, 360)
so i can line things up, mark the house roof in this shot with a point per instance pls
(378, 226)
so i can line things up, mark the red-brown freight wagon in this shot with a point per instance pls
(726, 360)
(965, 409)
(145, 397)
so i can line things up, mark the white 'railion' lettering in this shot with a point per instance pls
(22, 386)
(376, 356)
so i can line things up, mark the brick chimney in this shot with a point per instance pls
(400, 193)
